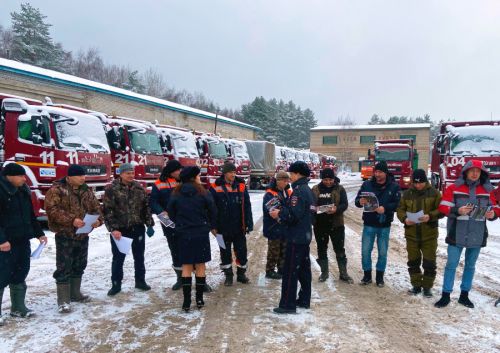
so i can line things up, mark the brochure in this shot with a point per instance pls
(372, 202)
(166, 221)
(273, 204)
(324, 208)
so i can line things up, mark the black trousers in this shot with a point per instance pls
(324, 234)
(71, 258)
(238, 243)
(15, 264)
(297, 268)
(173, 245)
(138, 234)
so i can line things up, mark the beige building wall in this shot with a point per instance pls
(349, 148)
(29, 87)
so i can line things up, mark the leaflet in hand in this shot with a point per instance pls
(220, 240)
(324, 208)
(371, 202)
(166, 221)
(273, 204)
(38, 251)
(124, 244)
(415, 216)
(89, 219)
(479, 213)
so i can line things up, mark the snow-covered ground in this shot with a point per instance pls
(343, 318)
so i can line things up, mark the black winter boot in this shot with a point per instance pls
(186, 290)
(428, 293)
(63, 298)
(2, 319)
(379, 278)
(240, 275)
(115, 289)
(323, 265)
(75, 285)
(367, 278)
(464, 300)
(142, 285)
(200, 286)
(178, 283)
(343, 275)
(273, 275)
(415, 290)
(444, 301)
(17, 298)
(228, 272)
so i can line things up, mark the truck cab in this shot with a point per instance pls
(177, 143)
(401, 159)
(238, 152)
(213, 153)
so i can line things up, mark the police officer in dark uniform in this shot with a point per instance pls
(298, 216)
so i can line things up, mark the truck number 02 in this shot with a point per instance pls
(47, 157)
(457, 160)
(121, 158)
(73, 157)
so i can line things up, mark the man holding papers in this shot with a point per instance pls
(418, 211)
(18, 225)
(67, 203)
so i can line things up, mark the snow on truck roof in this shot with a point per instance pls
(38, 72)
(372, 127)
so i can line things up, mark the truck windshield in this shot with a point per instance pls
(217, 149)
(185, 146)
(81, 134)
(240, 150)
(366, 163)
(146, 142)
(392, 155)
(475, 140)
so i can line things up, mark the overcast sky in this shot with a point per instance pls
(338, 58)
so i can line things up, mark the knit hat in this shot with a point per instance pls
(228, 167)
(327, 173)
(419, 176)
(172, 166)
(282, 175)
(76, 170)
(189, 173)
(13, 169)
(299, 167)
(381, 166)
(126, 167)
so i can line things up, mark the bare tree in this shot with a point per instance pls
(154, 83)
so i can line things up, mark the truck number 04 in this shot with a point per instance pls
(73, 157)
(457, 160)
(47, 157)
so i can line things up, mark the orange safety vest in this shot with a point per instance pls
(170, 183)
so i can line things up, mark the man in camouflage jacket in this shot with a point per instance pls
(126, 211)
(66, 203)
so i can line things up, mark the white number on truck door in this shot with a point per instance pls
(47, 157)
(121, 158)
(73, 157)
(454, 161)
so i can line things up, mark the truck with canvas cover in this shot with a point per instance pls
(401, 158)
(263, 163)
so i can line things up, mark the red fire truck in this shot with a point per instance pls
(401, 159)
(281, 158)
(46, 139)
(213, 153)
(459, 142)
(238, 153)
(177, 143)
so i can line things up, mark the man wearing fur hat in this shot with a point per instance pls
(234, 221)
(377, 223)
(421, 237)
(18, 225)
(467, 203)
(330, 224)
(66, 203)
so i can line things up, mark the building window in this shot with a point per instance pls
(366, 139)
(409, 137)
(329, 140)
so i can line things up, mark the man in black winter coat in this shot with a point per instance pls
(377, 222)
(234, 221)
(18, 225)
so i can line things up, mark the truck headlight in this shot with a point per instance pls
(406, 180)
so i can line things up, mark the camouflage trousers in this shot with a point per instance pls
(71, 258)
(275, 254)
(422, 254)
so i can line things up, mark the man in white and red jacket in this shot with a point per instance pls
(464, 228)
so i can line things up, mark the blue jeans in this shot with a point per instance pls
(367, 241)
(454, 252)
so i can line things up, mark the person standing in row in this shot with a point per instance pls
(422, 237)
(330, 224)
(464, 230)
(297, 215)
(377, 223)
(158, 201)
(234, 221)
(274, 230)
(193, 210)
(126, 211)
(66, 203)
(18, 225)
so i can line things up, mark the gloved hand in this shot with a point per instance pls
(150, 231)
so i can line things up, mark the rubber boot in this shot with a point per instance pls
(444, 301)
(367, 278)
(178, 284)
(464, 300)
(17, 298)
(115, 288)
(229, 277)
(240, 275)
(379, 278)
(142, 285)
(343, 275)
(200, 286)
(63, 298)
(75, 284)
(323, 265)
(2, 319)
(186, 291)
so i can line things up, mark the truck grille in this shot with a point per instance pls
(394, 169)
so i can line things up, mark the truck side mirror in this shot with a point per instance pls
(37, 139)
(205, 147)
(168, 143)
